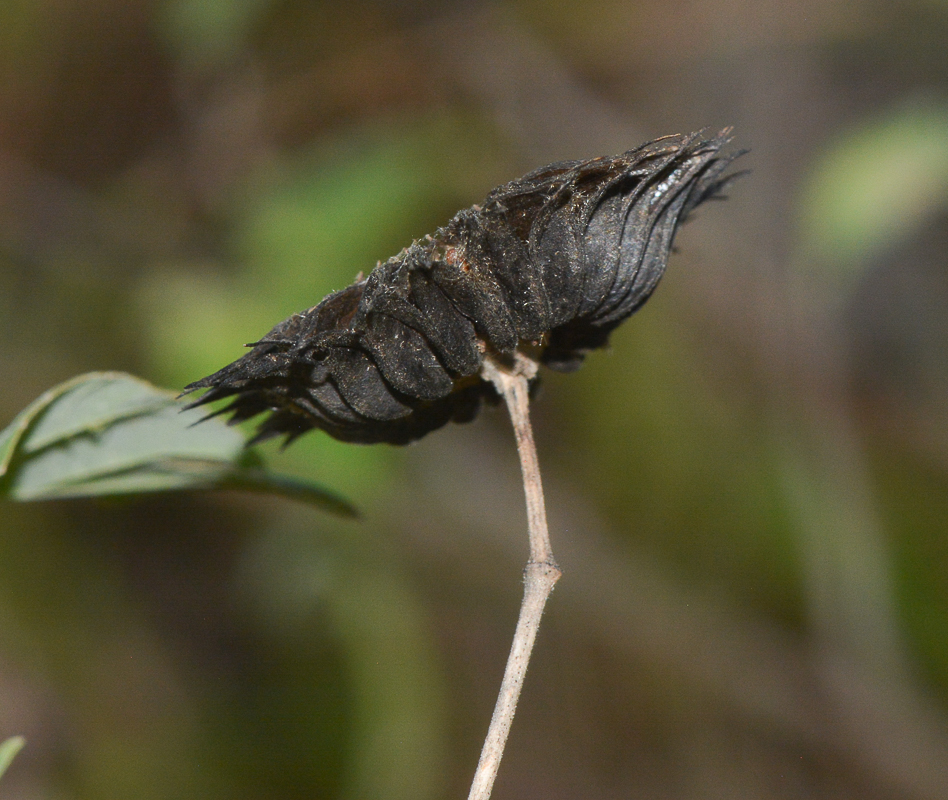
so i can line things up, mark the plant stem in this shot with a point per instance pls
(540, 574)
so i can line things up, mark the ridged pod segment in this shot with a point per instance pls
(553, 261)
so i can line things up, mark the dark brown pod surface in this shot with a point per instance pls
(553, 261)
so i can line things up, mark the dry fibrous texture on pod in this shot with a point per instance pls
(551, 263)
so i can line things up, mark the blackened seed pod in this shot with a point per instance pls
(553, 261)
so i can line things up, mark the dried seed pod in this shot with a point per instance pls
(553, 261)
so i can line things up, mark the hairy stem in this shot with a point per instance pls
(540, 574)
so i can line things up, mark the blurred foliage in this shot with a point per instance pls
(748, 487)
(877, 186)
(8, 751)
(209, 32)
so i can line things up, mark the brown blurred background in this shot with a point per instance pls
(748, 492)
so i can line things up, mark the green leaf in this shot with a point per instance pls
(109, 433)
(8, 751)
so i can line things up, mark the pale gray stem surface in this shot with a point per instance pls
(540, 574)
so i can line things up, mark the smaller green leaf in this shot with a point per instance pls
(109, 433)
(8, 751)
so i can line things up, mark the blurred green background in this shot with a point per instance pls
(748, 491)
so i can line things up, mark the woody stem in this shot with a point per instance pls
(540, 574)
